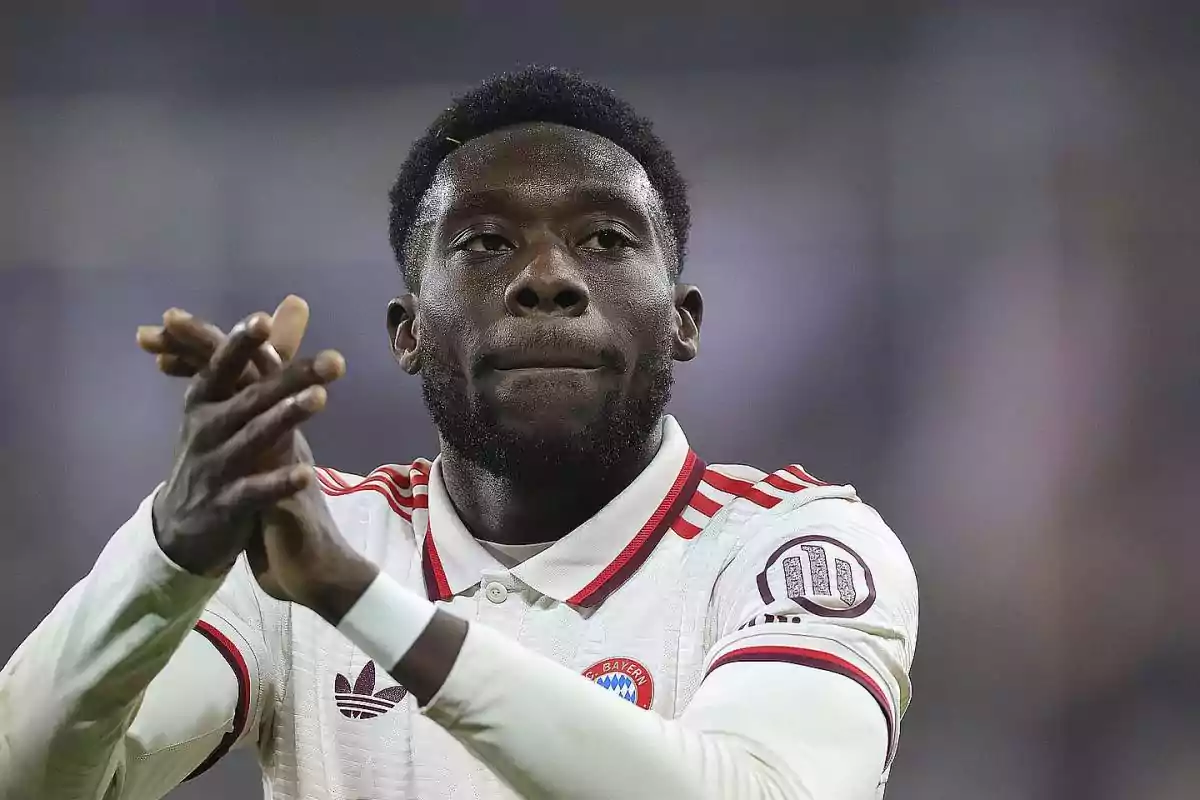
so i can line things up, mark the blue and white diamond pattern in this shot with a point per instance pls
(620, 684)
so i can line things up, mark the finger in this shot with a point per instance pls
(219, 379)
(242, 451)
(263, 490)
(191, 334)
(290, 322)
(151, 338)
(266, 361)
(199, 340)
(252, 401)
(194, 349)
(175, 366)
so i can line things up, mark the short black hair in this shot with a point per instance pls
(535, 94)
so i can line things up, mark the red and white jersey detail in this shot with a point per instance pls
(693, 568)
(404, 487)
(659, 589)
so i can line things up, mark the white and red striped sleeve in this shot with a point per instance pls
(141, 676)
(823, 584)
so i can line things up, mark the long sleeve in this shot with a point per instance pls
(141, 675)
(753, 732)
(814, 625)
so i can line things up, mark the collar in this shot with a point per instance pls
(590, 562)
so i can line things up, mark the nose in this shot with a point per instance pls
(549, 286)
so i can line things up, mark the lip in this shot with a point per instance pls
(527, 360)
(531, 370)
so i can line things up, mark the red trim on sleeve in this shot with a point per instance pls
(241, 715)
(817, 659)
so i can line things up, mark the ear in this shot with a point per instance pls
(403, 333)
(689, 310)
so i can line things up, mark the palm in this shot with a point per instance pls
(280, 547)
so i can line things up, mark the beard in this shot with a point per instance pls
(471, 424)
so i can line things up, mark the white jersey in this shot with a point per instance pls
(693, 572)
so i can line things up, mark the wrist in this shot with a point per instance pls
(407, 635)
(339, 586)
(182, 551)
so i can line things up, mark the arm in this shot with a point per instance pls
(125, 689)
(113, 696)
(786, 710)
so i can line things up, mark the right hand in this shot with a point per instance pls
(207, 512)
(183, 344)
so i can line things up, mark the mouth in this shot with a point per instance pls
(542, 360)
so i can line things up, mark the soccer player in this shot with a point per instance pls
(567, 602)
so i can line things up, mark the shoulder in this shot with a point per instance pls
(397, 489)
(789, 521)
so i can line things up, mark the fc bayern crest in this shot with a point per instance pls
(625, 678)
(821, 575)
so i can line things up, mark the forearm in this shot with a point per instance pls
(551, 733)
(72, 690)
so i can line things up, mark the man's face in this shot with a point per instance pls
(546, 320)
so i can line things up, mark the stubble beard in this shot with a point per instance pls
(470, 426)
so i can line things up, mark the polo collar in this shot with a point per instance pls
(590, 562)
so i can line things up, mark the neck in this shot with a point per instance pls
(508, 509)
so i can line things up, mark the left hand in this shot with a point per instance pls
(300, 555)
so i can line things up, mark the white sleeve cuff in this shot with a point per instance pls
(386, 621)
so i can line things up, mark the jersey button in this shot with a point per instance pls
(496, 592)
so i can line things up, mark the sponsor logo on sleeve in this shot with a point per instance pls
(625, 678)
(821, 575)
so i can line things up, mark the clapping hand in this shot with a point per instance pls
(243, 478)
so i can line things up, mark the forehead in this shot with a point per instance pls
(538, 165)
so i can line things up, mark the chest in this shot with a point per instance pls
(344, 728)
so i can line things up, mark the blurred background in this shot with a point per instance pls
(948, 252)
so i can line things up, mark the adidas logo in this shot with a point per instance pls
(362, 701)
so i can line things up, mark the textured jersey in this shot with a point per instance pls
(713, 598)
(693, 567)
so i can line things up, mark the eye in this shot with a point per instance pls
(605, 240)
(487, 243)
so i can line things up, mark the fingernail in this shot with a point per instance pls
(259, 324)
(312, 399)
(329, 364)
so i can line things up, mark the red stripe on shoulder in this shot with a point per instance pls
(740, 488)
(241, 714)
(390, 482)
(704, 504)
(777, 481)
(803, 474)
(684, 529)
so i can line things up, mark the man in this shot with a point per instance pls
(566, 603)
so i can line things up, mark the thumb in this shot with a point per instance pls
(288, 325)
